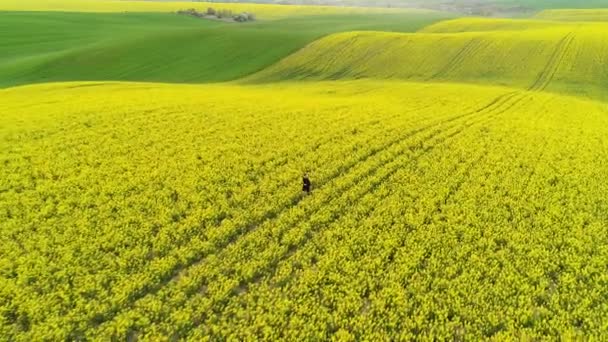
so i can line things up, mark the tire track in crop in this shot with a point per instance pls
(555, 61)
(290, 250)
(280, 162)
(424, 107)
(345, 170)
(453, 190)
(335, 216)
(295, 200)
(397, 166)
(283, 159)
(309, 235)
(181, 269)
(326, 140)
(509, 102)
(469, 48)
(326, 61)
(245, 230)
(451, 193)
(458, 185)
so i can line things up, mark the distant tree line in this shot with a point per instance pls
(212, 13)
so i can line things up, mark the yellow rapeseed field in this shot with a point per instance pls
(458, 191)
(565, 58)
(134, 210)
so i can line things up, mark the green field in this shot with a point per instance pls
(48, 46)
(151, 164)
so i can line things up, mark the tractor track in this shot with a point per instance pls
(501, 107)
(470, 47)
(498, 107)
(555, 61)
(251, 226)
(495, 105)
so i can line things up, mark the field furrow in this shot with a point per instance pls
(338, 227)
(496, 108)
(555, 62)
(218, 242)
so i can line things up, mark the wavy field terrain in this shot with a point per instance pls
(565, 58)
(146, 217)
(45, 46)
(457, 166)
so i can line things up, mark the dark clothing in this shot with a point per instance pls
(306, 186)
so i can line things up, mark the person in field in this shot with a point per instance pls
(306, 183)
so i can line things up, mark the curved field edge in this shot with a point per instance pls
(51, 47)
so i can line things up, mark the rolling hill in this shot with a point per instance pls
(48, 46)
(565, 58)
(457, 167)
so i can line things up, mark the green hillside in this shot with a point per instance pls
(44, 46)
